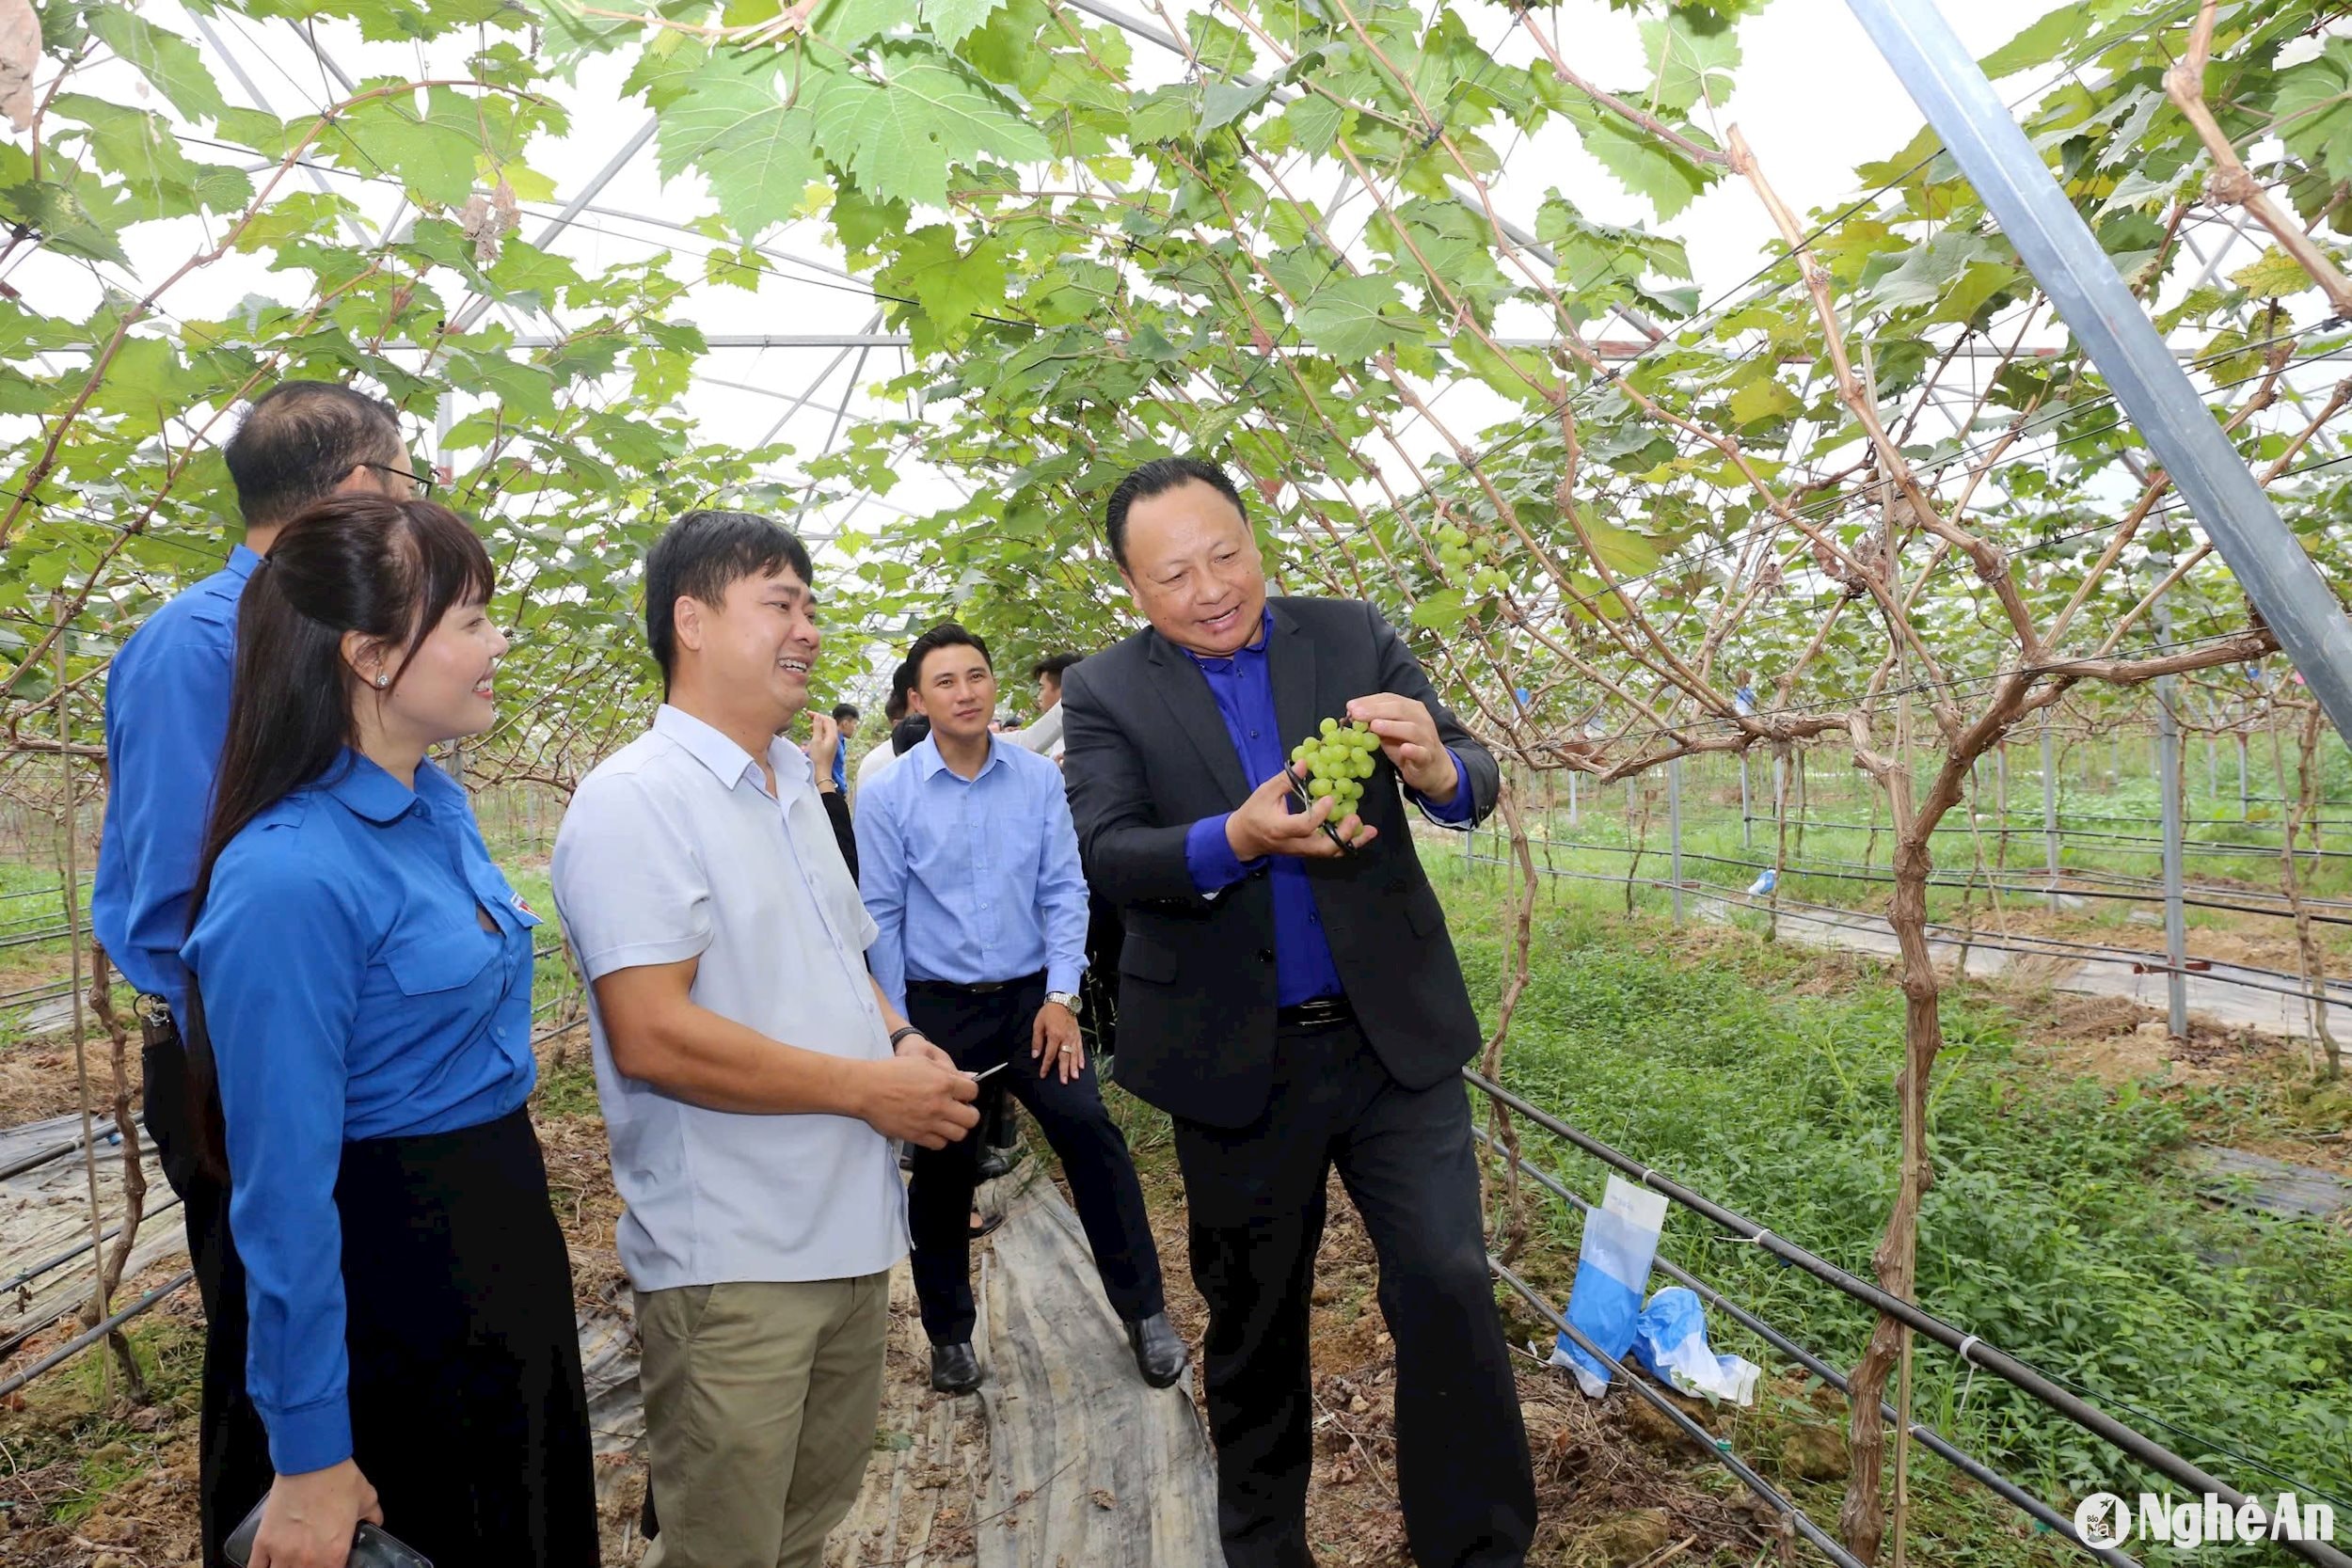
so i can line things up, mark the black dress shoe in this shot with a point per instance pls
(955, 1369)
(1160, 1355)
(994, 1161)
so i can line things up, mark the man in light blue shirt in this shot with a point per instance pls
(752, 1074)
(969, 865)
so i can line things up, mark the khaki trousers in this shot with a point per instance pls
(760, 1402)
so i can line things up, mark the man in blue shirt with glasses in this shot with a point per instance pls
(167, 714)
(969, 865)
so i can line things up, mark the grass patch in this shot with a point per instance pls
(71, 1423)
(2061, 1226)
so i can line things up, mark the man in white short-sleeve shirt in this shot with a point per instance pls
(751, 1073)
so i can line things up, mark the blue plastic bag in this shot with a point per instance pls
(1612, 1270)
(1670, 1344)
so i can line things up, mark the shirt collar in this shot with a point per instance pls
(1256, 648)
(241, 563)
(366, 790)
(718, 751)
(925, 754)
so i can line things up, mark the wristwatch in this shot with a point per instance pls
(1067, 998)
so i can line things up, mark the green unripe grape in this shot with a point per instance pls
(1319, 788)
(1330, 727)
(1302, 753)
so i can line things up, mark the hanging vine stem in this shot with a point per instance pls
(2232, 184)
(101, 1005)
(1511, 1220)
(2315, 958)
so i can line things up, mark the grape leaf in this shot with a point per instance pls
(1928, 268)
(757, 149)
(953, 21)
(1223, 103)
(2039, 44)
(1622, 551)
(433, 153)
(903, 132)
(1689, 65)
(2314, 109)
(2274, 276)
(1354, 318)
(169, 62)
(1641, 163)
(1315, 123)
(1761, 400)
(949, 286)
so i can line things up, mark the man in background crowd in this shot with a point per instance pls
(1047, 676)
(971, 875)
(844, 726)
(166, 715)
(885, 751)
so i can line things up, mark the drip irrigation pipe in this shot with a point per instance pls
(54, 1152)
(2022, 890)
(1935, 1441)
(81, 1342)
(46, 1264)
(1971, 1348)
(2193, 846)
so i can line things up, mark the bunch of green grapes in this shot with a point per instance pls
(1456, 549)
(1338, 761)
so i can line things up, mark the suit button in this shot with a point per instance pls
(1265, 954)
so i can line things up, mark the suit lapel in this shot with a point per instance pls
(1291, 663)
(1185, 690)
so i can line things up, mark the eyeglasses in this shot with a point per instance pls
(422, 482)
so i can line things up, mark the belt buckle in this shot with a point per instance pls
(153, 1011)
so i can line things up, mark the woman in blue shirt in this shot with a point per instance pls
(360, 1056)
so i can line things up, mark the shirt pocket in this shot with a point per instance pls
(425, 962)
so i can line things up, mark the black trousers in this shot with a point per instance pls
(981, 1029)
(231, 1445)
(1256, 1197)
(468, 1412)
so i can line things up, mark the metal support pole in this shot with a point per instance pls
(2168, 783)
(1747, 823)
(2049, 806)
(1572, 777)
(2107, 320)
(1674, 829)
(2244, 813)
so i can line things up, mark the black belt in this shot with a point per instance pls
(1321, 1012)
(976, 988)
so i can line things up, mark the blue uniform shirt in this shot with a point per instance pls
(971, 880)
(350, 991)
(166, 715)
(1243, 690)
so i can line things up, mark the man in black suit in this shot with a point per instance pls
(1294, 1007)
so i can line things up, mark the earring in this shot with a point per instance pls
(382, 680)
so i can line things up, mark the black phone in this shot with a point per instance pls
(371, 1548)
